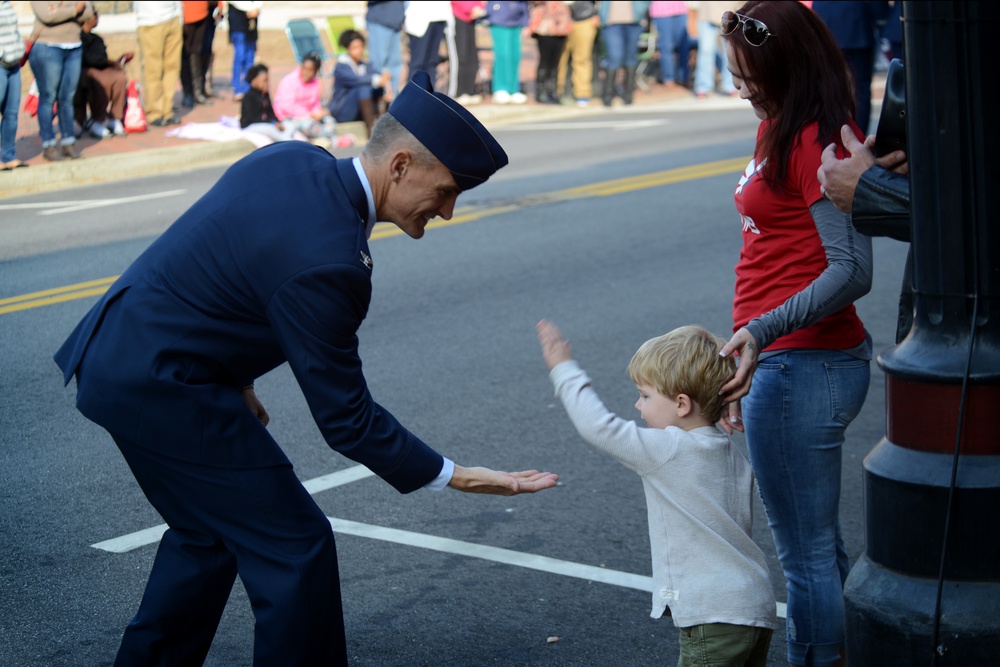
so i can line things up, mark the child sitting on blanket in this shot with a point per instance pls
(257, 114)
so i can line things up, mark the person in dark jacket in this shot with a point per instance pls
(242, 18)
(102, 88)
(876, 192)
(271, 266)
(256, 112)
(856, 26)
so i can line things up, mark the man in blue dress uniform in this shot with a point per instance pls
(272, 265)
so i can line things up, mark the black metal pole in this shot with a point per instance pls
(926, 591)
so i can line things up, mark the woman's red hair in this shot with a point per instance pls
(800, 77)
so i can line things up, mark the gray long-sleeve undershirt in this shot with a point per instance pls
(847, 277)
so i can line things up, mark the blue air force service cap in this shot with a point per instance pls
(447, 129)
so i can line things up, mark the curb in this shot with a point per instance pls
(101, 169)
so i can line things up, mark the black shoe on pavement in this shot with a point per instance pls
(173, 120)
(159, 122)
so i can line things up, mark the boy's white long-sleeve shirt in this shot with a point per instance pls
(699, 502)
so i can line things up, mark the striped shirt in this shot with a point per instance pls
(11, 44)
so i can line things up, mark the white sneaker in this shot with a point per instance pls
(502, 97)
(518, 98)
(469, 100)
(117, 128)
(98, 131)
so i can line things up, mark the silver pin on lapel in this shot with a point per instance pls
(366, 260)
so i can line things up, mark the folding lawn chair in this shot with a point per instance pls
(335, 27)
(304, 38)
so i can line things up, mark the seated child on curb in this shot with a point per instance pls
(699, 490)
(357, 90)
(257, 114)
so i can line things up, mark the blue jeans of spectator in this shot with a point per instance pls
(385, 52)
(711, 55)
(795, 416)
(10, 100)
(57, 72)
(621, 44)
(506, 58)
(348, 110)
(671, 37)
(244, 52)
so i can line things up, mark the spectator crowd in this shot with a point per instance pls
(585, 49)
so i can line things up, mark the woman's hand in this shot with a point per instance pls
(742, 343)
(732, 418)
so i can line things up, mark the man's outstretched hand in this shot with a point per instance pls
(497, 483)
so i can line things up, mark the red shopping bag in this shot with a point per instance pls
(135, 116)
(31, 100)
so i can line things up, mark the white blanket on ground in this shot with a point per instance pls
(226, 129)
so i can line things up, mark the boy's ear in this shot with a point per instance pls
(685, 406)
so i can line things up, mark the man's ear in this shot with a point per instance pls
(399, 163)
(685, 406)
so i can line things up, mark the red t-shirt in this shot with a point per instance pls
(782, 251)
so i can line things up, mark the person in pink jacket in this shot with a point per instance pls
(298, 100)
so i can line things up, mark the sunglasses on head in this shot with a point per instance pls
(754, 31)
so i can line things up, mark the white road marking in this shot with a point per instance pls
(443, 544)
(120, 545)
(54, 207)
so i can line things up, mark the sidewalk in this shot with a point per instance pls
(153, 152)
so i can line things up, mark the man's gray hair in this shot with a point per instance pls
(389, 135)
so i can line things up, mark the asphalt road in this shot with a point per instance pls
(617, 230)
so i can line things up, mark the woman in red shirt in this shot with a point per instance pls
(798, 336)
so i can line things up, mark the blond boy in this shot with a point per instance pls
(699, 490)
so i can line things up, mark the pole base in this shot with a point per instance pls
(889, 620)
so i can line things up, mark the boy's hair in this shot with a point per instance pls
(685, 361)
(349, 36)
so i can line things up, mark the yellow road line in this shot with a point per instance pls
(55, 295)
(468, 214)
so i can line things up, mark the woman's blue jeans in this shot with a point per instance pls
(795, 416)
(57, 72)
(10, 100)
(621, 44)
